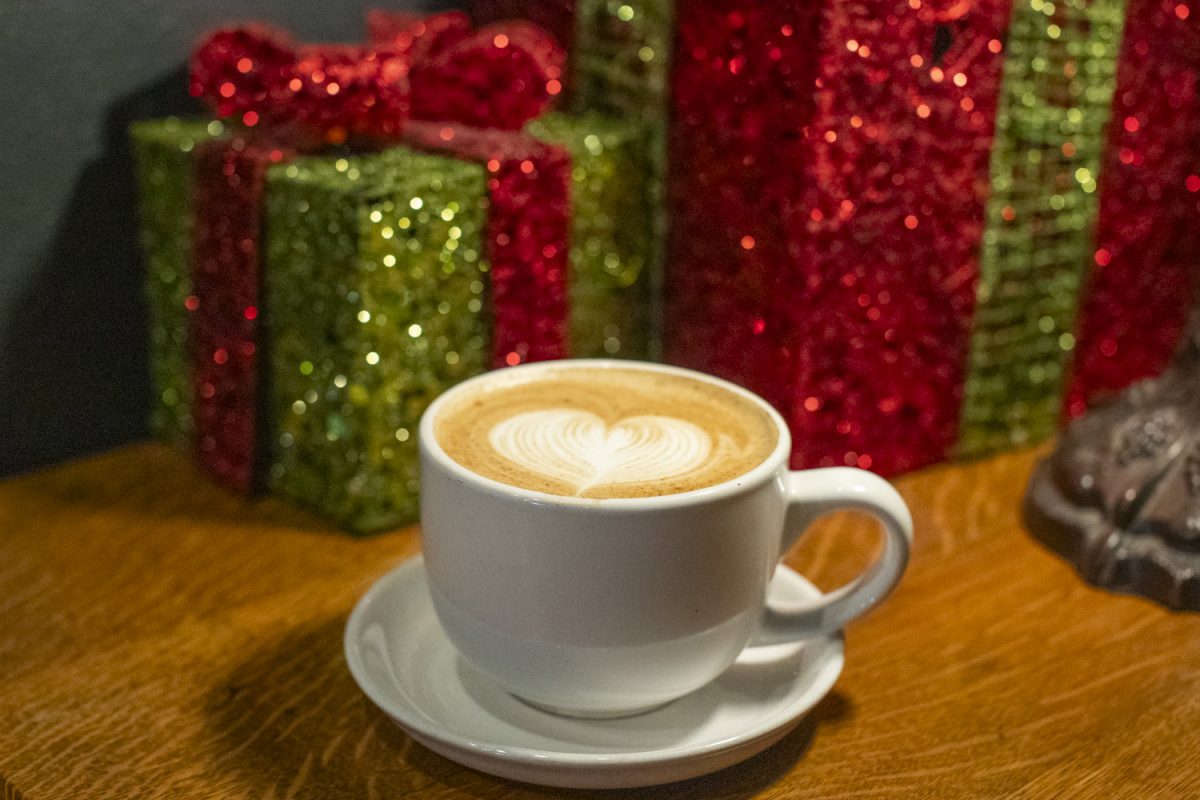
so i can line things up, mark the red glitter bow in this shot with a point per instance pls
(433, 68)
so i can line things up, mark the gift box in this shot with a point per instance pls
(886, 217)
(165, 177)
(826, 222)
(312, 234)
(291, 98)
(594, 246)
(376, 291)
(481, 236)
(919, 229)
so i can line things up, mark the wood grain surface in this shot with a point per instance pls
(162, 638)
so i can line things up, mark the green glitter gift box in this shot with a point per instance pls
(380, 293)
(375, 286)
(377, 293)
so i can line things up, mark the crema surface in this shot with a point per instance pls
(604, 432)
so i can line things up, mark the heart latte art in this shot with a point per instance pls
(603, 432)
(579, 448)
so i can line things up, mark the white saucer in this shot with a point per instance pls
(400, 657)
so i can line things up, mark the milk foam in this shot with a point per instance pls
(604, 432)
(581, 449)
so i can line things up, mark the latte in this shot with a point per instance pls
(604, 432)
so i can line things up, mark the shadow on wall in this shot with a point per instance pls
(76, 374)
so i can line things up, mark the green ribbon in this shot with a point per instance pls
(1058, 82)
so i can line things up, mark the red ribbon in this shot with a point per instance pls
(432, 68)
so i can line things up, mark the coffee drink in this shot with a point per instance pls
(604, 432)
(572, 561)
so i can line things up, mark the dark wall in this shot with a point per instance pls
(73, 368)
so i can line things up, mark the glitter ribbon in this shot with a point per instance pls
(555, 16)
(226, 279)
(742, 90)
(1057, 91)
(887, 229)
(435, 67)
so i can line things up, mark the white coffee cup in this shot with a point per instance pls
(608, 607)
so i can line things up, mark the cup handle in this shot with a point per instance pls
(810, 494)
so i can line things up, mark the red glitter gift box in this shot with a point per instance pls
(826, 186)
(874, 226)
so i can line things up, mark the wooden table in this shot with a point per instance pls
(160, 637)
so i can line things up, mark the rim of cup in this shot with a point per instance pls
(429, 444)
